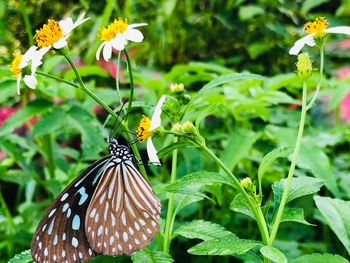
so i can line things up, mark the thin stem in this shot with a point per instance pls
(312, 101)
(170, 217)
(117, 79)
(277, 220)
(131, 96)
(58, 79)
(26, 20)
(49, 155)
(255, 208)
(107, 108)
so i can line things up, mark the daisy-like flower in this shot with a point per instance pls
(31, 58)
(116, 36)
(146, 129)
(316, 30)
(54, 34)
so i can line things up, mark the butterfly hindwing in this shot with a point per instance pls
(60, 235)
(122, 216)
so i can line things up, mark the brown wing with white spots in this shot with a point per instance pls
(123, 214)
(60, 234)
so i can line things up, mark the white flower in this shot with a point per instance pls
(316, 29)
(146, 130)
(54, 34)
(33, 58)
(116, 36)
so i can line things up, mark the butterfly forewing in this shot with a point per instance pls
(60, 235)
(122, 216)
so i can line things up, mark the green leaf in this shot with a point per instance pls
(223, 246)
(226, 79)
(294, 215)
(319, 258)
(170, 148)
(238, 147)
(183, 200)
(337, 214)
(300, 186)
(273, 254)
(249, 11)
(269, 158)
(206, 111)
(49, 122)
(310, 4)
(201, 229)
(33, 108)
(239, 204)
(23, 257)
(148, 256)
(86, 71)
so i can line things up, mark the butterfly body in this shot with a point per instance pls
(109, 209)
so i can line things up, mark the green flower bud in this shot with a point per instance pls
(304, 66)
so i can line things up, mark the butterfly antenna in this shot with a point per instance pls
(114, 127)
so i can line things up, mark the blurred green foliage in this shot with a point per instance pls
(191, 42)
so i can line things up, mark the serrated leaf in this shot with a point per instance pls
(337, 214)
(300, 186)
(273, 254)
(201, 229)
(33, 108)
(319, 258)
(239, 204)
(148, 256)
(294, 215)
(49, 122)
(269, 158)
(223, 246)
(23, 257)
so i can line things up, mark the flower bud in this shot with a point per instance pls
(177, 127)
(188, 127)
(304, 66)
(177, 87)
(246, 183)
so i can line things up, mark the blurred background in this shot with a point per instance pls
(188, 42)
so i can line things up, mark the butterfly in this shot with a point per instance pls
(109, 209)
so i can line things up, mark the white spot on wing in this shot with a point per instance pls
(123, 218)
(125, 236)
(75, 242)
(52, 212)
(64, 197)
(83, 194)
(76, 222)
(99, 231)
(65, 207)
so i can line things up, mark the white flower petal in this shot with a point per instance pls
(298, 45)
(80, 20)
(62, 42)
(19, 84)
(155, 121)
(41, 52)
(119, 42)
(28, 56)
(30, 81)
(133, 35)
(338, 30)
(67, 25)
(107, 51)
(136, 25)
(99, 50)
(152, 152)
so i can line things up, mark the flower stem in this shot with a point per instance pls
(254, 207)
(58, 79)
(49, 156)
(65, 53)
(277, 220)
(117, 80)
(169, 217)
(131, 96)
(26, 20)
(312, 101)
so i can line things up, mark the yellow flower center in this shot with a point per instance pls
(15, 65)
(49, 34)
(143, 132)
(317, 26)
(118, 26)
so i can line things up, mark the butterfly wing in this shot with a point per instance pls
(60, 234)
(122, 216)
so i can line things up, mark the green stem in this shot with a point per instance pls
(117, 79)
(255, 208)
(49, 155)
(131, 96)
(170, 217)
(65, 53)
(26, 20)
(312, 101)
(58, 79)
(277, 220)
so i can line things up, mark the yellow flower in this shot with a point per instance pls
(54, 34)
(316, 30)
(116, 36)
(146, 129)
(30, 58)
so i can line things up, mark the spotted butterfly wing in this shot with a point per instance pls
(94, 213)
(122, 216)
